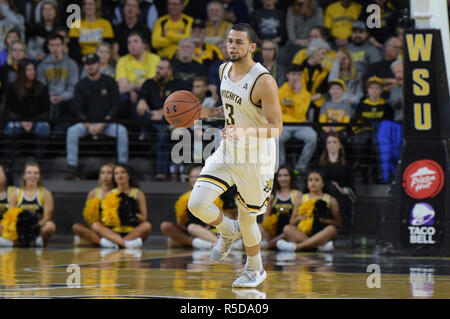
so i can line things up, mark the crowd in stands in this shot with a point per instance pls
(116, 65)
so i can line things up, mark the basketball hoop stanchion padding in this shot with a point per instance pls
(416, 220)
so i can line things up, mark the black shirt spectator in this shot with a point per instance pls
(269, 23)
(184, 67)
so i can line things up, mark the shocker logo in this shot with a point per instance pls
(268, 186)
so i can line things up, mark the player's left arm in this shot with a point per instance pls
(215, 113)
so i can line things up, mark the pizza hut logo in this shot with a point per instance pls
(423, 179)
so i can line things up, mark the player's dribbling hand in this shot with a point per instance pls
(232, 132)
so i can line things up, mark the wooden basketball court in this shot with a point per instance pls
(183, 273)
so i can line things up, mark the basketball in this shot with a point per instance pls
(182, 108)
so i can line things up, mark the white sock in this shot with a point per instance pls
(254, 262)
(134, 243)
(227, 226)
(6, 242)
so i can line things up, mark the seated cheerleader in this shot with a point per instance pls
(189, 230)
(123, 213)
(7, 191)
(91, 211)
(316, 221)
(28, 220)
(279, 209)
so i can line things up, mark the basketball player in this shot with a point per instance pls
(252, 116)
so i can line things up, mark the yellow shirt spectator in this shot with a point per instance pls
(90, 34)
(207, 54)
(294, 106)
(167, 33)
(216, 34)
(327, 62)
(137, 71)
(339, 19)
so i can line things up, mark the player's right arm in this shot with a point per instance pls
(215, 113)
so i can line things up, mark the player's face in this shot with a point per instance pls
(315, 182)
(106, 175)
(238, 46)
(284, 179)
(120, 175)
(333, 144)
(32, 175)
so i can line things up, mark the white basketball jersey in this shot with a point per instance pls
(239, 109)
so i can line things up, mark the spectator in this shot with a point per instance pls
(148, 13)
(382, 69)
(91, 210)
(269, 55)
(38, 33)
(10, 18)
(151, 101)
(189, 230)
(339, 177)
(269, 22)
(92, 31)
(107, 63)
(62, 31)
(316, 32)
(13, 35)
(311, 228)
(367, 118)
(35, 198)
(213, 72)
(339, 18)
(27, 98)
(301, 17)
(131, 24)
(337, 110)
(345, 70)
(96, 98)
(236, 11)
(201, 91)
(295, 101)
(314, 76)
(8, 72)
(60, 74)
(279, 208)
(389, 15)
(390, 134)
(133, 69)
(124, 235)
(185, 68)
(363, 52)
(171, 28)
(7, 190)
(216, 27)
(204, 53)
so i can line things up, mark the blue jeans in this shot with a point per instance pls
(79, 130)
(41, 129)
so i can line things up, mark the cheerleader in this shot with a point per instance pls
(123, 213)
(91, 212)
(7, 190)
(279, 209)
(36, 199)
(316, 219)
(189, 230)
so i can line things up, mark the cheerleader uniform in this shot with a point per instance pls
(284, 210)
(35, 204)
(4, 202)
(317, 225)
(124, 229)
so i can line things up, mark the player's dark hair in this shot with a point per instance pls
(245, 27)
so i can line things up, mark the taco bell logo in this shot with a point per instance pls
(421, 229)
(422, 214)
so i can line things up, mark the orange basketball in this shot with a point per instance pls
(182, 108)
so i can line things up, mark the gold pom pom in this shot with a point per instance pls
(270, 223)
(306, 208)
(110, 210)
(9, 222)
(91, 212)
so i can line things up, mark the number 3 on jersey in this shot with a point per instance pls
(230, 119)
